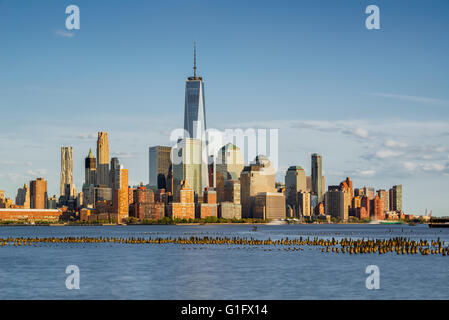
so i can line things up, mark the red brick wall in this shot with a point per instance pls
(30, 215)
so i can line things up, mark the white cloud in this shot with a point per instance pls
(395, 144)
(361, 133)
(382, 154)
(64, 34)
(123, 155)
(411, 166)
(432, 167)
(86, 136)
(368, 173)
(7, 162)
(411, 98)
(424, 167)
(38, 172)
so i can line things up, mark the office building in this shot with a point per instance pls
(185, 208)
(38, 193)
(396, 198)
(269, 205)
(295, 181)
(188, 167)
(159, 166)
(336, 204)
(103, 159)
(195, 122)
(317, 176)
(383, 195)
(120, 193)
(67, 188)
(229, 164)
(258, 177)
(23, 197)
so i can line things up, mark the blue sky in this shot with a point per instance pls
(374, 103)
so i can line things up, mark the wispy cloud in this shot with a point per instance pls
(86, 136)
(64, 34)
(410, 98)
(425, 167)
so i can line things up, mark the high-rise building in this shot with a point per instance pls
(38, 193)
(114, 172)
(120, 193)
(230, 207)
(258, 177)
(195, 119)
(90, 169)
(208, 208)
(187, 167)
(102, 159)
(383, 195)
(66, 187)
(317, 176)
(309, 183)
(269, 205)
(304, 203)
(185, 207)
(396, 198)
(229, 164)
(337, 205)
(23, 197)
(295, 181)
(358, 192)
(369, 192)
(347, 186)
(160, 163)
(90, 180)
(3, 199)
(378, 208)
(52, 202)
(144, 205)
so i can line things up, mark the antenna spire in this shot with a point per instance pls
(194, 59)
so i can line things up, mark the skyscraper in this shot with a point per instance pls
(317, 176)
(159, 165)
(38, 193)
(115, 164)
(188, 168)
(396, 198)
(90, 170)
(383, 195)
(195, 118)
(295, 181)
(102, 159)
(337, 204)
(120, 193)
(90, 179)
(229, 164)
(66, 187)
(194, 113)
(256, 178)
(23, 197)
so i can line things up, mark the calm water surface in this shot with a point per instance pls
(170, 271)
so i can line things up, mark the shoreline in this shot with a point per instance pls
(195, 224)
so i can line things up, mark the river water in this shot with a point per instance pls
(174, 271)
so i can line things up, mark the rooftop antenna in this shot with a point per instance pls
(194, 59)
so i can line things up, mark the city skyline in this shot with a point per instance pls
(398, 142)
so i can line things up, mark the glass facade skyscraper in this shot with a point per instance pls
(194, 114)
(317, 176)
(195, 124)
